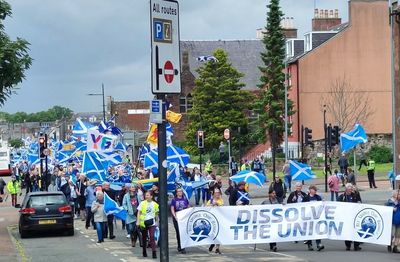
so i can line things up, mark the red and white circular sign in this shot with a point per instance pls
(227, 134)
(169, 72)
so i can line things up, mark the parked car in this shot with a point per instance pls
(43, 211)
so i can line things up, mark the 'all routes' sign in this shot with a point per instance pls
(165, 53)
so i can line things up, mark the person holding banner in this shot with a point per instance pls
(215, 201)
(178, 203)
(147, 221)
(239, 196)
(394, 202)
(313, 196)
(272, 200)
(297, 196)
(350, 196)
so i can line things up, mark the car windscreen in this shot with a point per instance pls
(45, 200)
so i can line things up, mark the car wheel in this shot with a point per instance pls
(23, 233)
(71, 232)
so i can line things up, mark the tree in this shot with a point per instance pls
(14, 58)
(53, 114)
(16, 143)
(271, 102)
(218, 102)
(346, 105)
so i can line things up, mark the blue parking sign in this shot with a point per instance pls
(158, 30)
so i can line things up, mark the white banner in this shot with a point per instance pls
(232, 225)
(97, 141)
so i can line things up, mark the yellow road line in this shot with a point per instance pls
(18, 245)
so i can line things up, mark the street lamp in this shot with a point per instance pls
(104, 102)
(326, 150)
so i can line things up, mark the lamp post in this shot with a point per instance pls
(286, 105)
(326, 150)
(104, 102)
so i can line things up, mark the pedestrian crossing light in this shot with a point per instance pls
(42, 146)
(200, 139)
(336, 131)
(308, 136)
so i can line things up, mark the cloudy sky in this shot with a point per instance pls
(78, 45)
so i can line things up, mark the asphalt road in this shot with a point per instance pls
(53, 246)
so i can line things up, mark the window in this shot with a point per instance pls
(185, 103)
(289, 49)
(308, 42)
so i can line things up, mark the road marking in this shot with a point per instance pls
(81, 232)
(2, 219)
(18, 244)
(115, 255)
(273, 253)
(77, 228)
(86, 236)
(106, 249)
(92, 239)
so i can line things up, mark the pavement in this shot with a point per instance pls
(54, 246)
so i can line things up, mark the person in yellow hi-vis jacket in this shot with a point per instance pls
(371, 173)
(147, 220)
(13, 187)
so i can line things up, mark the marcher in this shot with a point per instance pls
(13, 187)
(333, 183)
(313, 196)
(80, 192)
(148, 221)
(178, 203)
(297, 196)
(351, 177)
(221, 152)
(272, 200)
(209, 167)
(197, 177)
(362, 157)
(234, 167)
(2, 185)
(350, 196)
(130, 203)
(343, 163)
(256, 165)
(109, 228)
(90, 196)
(280, 189)
(371, 173)
(73, 197)
(394, 202)
(287, 176)
(215, 202)
(100, 217)
(239, 196)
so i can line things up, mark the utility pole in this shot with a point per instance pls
(326, 151)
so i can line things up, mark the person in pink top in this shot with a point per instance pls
(333, 183)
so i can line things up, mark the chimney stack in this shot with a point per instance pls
(324, 20)
(288, 28)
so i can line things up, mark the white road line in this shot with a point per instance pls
(86, 236)
(77, 228)
(106, 249)
(115, 255)
(275, 253)
(81, 232)
(2, 219)
(92, 239)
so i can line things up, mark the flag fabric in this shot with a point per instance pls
(93, 167)
(300, 171)
(250, 177)
(112, 208)
(109, 158)
(121, 147)
(173, 117)
(100, 142)
(143, 151)
(80, 128)
(174, 155)
(152, 137)
(206, 58)
(353, 138)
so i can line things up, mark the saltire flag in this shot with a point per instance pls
(93, 167)
(33, 158)
(174, 155)
(109, 128)
(121, 147)
(109, 159)
(205, 58)
(143, 151)
(353, 138)
(250, 177)
(100, 142)
(300, 171)
(80, 129)
(112, 208)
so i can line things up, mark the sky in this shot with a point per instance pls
(78, 45)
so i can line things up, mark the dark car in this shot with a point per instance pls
(43, 211)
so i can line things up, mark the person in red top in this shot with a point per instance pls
(333, 183)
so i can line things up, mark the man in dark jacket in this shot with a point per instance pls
(297, 196)
(350, 196)
(239, 196)
(313, 196)
(110, 218)
(280, 189)
(343, 164)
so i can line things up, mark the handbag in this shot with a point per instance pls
(149, 222)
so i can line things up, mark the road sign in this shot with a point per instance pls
(227, 134)
(165, 53)
(46, 152)
(156, 111)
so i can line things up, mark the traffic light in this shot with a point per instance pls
(336, 132)
(200, 139)
(42, 146)
(333, 136)
(308, 136)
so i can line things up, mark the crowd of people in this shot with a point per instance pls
(141, 224)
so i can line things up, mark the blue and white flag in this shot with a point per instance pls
(174, 155)
(249, 177)
(112, 208)
(93, 167)
(143, 151)
(300, 171)
(353, 138)
(206, 58)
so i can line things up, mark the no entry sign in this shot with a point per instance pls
(165, 53)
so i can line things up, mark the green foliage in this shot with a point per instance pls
(380, 154)
(14, 58)
(16, 143)
(271, 103)
(53, 114)
(218, 103)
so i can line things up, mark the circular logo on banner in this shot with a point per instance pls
(201, 225)
(369, 223)
(168, 72)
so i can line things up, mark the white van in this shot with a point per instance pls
(5, 162)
